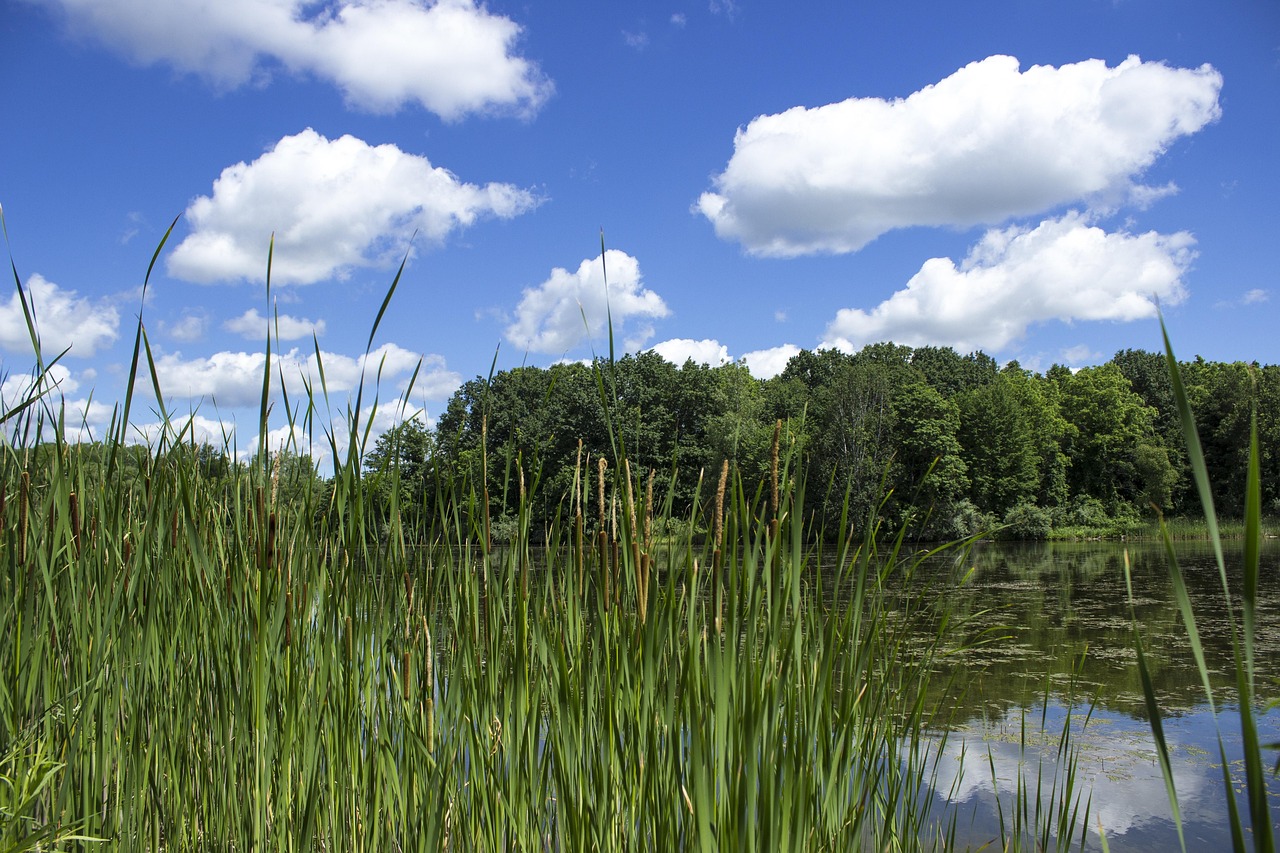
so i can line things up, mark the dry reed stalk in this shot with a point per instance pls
(773, 467)
(484, 478)
(717, 558)
(272, 521)
(648, 510)
(631, 500)
(603, 551)
(428, 687)
(24, 502)
(73, 508)
(601, 465)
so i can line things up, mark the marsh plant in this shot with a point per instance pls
(234, 657)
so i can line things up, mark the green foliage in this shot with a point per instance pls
(1026, 522)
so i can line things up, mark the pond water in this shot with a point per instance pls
(1063, 664)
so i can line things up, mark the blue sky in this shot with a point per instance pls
(1023, 177)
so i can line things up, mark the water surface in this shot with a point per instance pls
(1053, 674)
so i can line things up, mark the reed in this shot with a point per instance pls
(1254, 827)
(237, 665)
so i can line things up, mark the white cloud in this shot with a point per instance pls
(333, 205)
(678, 19)
(987, 143)
(767, 363)
(255, 327)
(1064, 269)
(1255, 296)
(188, 328)
(679, 350)
(1078, 354)
(453, 57)
(637, 40)
(550, 317)
(233, 379)
(63, 319)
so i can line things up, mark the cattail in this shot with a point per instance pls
(601, 465)
(648, 509)
(288, 618)
(350, 655)
(720, 489)
(275, 477)
(631, 501)
(773, 459)
(73, 507)
(484, 478)
(405, 671)
(429, 688)
(24, 497)
(271, 539)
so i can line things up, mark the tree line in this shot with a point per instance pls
(945, 443)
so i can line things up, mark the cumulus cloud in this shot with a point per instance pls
(255, 327)
(706, 351)
(985, 144)
(188, 328)
(550, 317)
(232, 379)
(63, 319)
(453, 57)
(333, 205)
(1063, 269)
(768, 363)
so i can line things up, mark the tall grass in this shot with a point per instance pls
(1259, 827)
(241, 667)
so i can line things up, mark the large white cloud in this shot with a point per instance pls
(1063, 269)
(333, 205)
(232, 379)
(706, 351)
(63, 319)
(451, 56)
(285, 327)
(569, 307)
(987, 143)
(768, 363)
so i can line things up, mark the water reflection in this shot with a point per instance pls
(1061, 613)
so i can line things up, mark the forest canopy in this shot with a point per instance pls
(950, 444)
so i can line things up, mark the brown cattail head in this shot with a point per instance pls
(720, 489)
(631, 501)
(288, 618)
(73, 507)
(405, 671)
(271, 539)
(601, 465)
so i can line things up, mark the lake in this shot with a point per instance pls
(1057, 657)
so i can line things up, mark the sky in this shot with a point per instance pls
(1030, 178)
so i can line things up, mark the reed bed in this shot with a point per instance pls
(190, 664)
